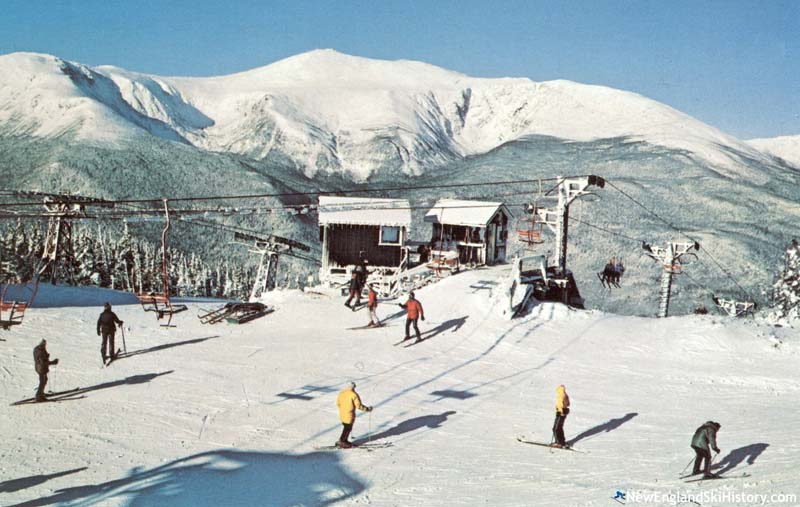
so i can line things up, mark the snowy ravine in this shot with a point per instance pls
(231, 415)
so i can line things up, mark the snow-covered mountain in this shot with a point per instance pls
(331, 112)
(327, 121)
(784, 147)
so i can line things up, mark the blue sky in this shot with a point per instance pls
(733, 64)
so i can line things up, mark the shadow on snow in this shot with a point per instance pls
(222, 477)
(34, 480)
(606, 427)
(737, 456)
(415, 423)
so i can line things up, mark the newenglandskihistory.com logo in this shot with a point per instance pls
(643, 497)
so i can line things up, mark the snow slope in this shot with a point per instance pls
(785, 147)
(232, 415)
(329, 111)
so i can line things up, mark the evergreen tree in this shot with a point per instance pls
(786, 289)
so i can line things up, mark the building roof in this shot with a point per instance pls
(364, 211)
(463, 212)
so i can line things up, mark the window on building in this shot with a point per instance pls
(390, 235)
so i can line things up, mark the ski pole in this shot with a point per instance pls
(369, 438)
(687, 466)
(124, 347)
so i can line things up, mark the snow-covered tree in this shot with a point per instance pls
(786, 289)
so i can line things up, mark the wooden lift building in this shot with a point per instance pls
(476, 230)
(353, 229)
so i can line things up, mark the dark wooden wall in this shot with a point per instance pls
(346, 241)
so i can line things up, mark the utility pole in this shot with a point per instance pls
(670, 259)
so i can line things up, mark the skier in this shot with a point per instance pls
(42, 362)
(704, 437)
(361, 271)
(608, 273)
(414, 313)
(348, 401)
(107, 324)
(619, 270)
(355, 292)
(562, 409)
(372, 305)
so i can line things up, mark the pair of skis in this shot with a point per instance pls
(107, 361)
(523, 440)
(369, 446)
(404, 340)
(365, 327)
(713, 477)
(62, 396)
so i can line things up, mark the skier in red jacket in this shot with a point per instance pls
(372, 305)
(414, 313)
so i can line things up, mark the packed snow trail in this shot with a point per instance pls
(231, 415)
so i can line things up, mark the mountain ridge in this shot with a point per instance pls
(335, 113)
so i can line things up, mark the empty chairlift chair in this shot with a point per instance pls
(160, 303)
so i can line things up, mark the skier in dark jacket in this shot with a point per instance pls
(42, 362)
(705, 437)
(355, 291)
(107, 326)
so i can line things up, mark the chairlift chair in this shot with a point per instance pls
(160, 303)
(531, 232)
(12, 312)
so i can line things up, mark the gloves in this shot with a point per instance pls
(423, 318)
(716, 451)
(54, 361)
(369, 409)
(98, 333)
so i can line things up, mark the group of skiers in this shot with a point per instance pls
(612, 272)
(703, 440)
(348, 400)
(107, 325)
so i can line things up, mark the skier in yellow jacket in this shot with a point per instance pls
(348, 401)
(562, 409)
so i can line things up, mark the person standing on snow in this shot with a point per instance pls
(562, 409)
(107, 325)
(704, 437)
(414, 312)
(42, 362)
(372, 305)
(362, 272)
(355, 292)
(348, 401)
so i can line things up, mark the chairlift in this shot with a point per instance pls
(612, 273)
(734, 308)
(160, 303)
(13, 311)
(530, 229)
